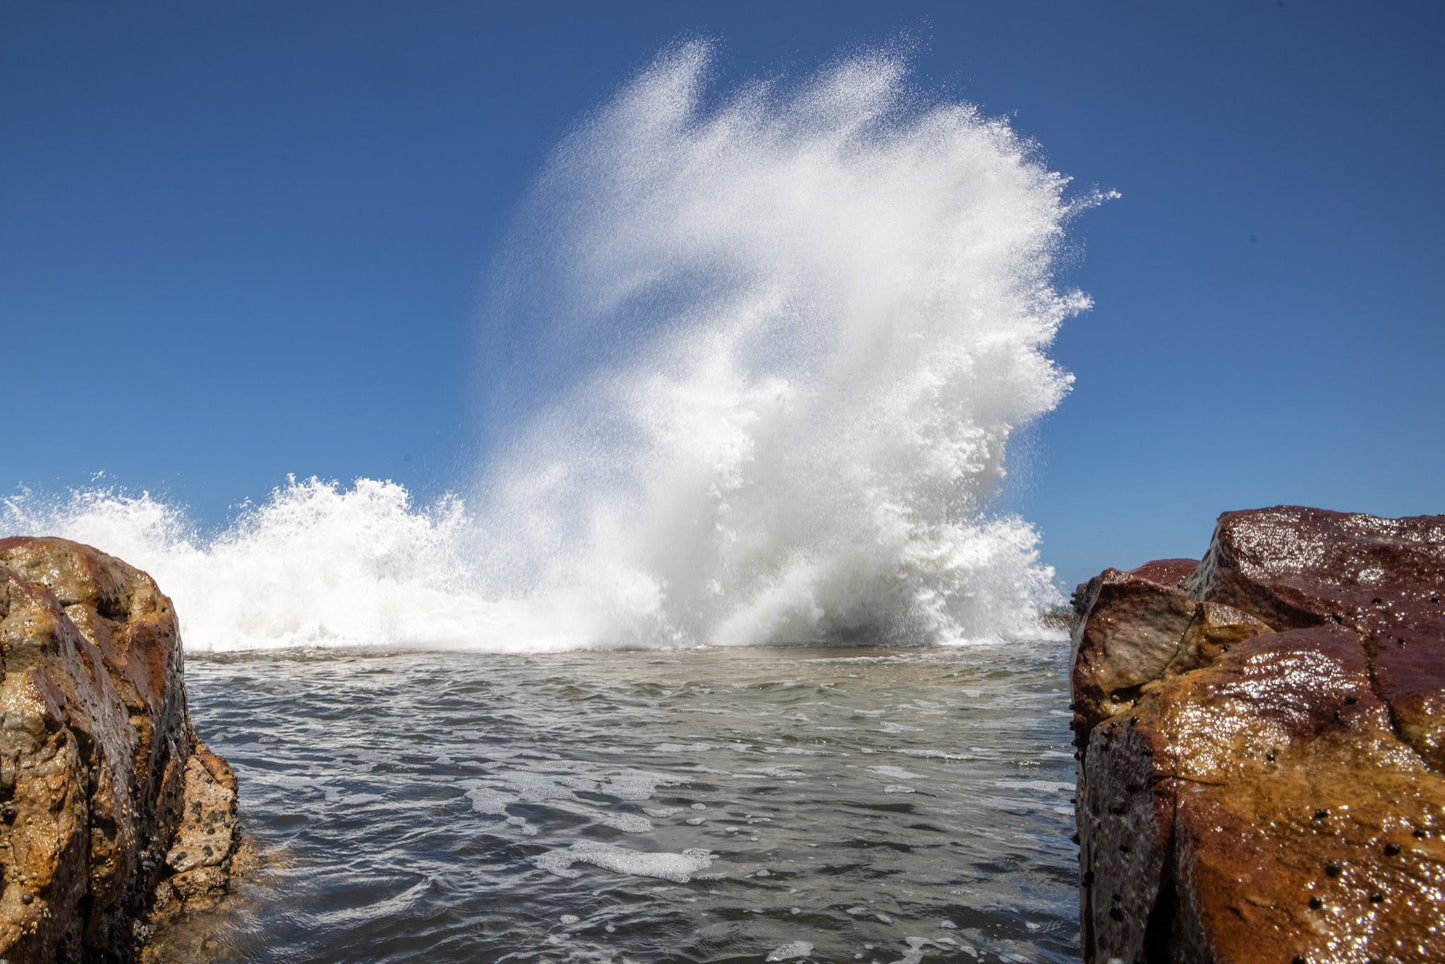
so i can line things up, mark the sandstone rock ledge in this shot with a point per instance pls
(112, 814)
(1262, 745)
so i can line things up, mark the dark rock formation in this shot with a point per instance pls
(1261, 771)
(110, 809)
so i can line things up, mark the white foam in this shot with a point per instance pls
(682, 747)
(676, 867)
(487, 800)
(896, 772)
(779, 772)
(636, 784)
(626, 822)
(916, 946)
(935, 754)
(791, 952)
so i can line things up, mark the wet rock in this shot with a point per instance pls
(1132, 632)
(1383, 578)
(1167, 572)
(1274, 789)
(204, 844)
(97, 754)
(1128, 634)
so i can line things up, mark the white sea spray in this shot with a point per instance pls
(759, 354)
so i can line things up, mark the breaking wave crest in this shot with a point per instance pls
(756, 357)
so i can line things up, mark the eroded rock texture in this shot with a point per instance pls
(1261, 773)
(101, 775)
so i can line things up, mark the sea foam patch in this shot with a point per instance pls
(676, 867)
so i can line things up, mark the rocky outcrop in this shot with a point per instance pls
(111, 811)
(1260, 739)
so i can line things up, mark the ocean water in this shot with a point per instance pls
(717, 805)
(755, 362)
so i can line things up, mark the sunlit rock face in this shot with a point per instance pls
(96, 759)
(1382, 578)
(1260, 744)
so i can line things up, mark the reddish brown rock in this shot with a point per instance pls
(1272, 795)
(204, 843)
(1383, 578)
(96, 754)
(1167, 572)
(1138, 632)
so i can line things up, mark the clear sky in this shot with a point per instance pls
(244, 240)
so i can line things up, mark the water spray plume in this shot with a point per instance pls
(757, 358)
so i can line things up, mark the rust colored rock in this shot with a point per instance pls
(1166, 572)
(204, 843)
(96, 752)
(1384, 578)
(1267, 795)
(1132, 632)
(1126, 636)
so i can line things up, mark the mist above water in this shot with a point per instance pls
(755, 359)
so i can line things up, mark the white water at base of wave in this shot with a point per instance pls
(320, 564)
(316, 564)
(792, 329)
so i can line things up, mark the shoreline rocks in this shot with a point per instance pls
(1262, 745)
(113, 816)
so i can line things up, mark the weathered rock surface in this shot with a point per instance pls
(1261, 773)
(102, 778)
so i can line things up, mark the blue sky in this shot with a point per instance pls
(240, 241)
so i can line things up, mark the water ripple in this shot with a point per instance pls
(709, 805)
